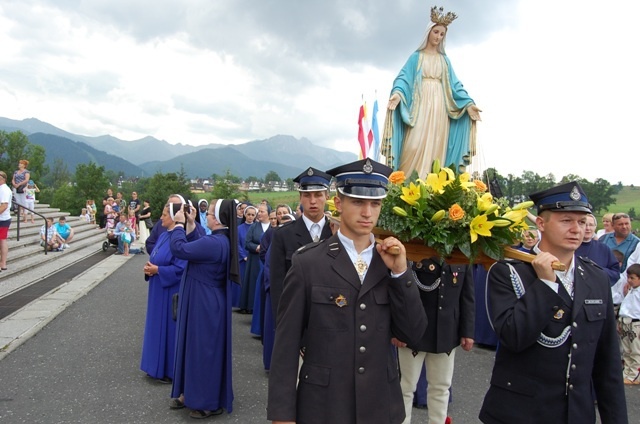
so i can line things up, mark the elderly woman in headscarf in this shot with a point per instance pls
(249, 216)
(163, 271)
(202, 377)
(252, 245)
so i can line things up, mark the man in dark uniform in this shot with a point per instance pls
(448, 298)
(346, 297)
(313, 186)
(557, 329)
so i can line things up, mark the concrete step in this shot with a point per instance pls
(31, 245)
(30, 229)
(32, 264)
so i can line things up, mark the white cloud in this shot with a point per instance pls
(556, 80)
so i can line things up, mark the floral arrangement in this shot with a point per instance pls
(450, 210)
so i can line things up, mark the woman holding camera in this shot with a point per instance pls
(163, 271)
(202, 377)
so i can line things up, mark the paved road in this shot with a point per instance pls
(83, 368)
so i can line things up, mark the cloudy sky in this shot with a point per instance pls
(557, 80)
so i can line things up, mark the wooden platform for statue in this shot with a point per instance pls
(417, 250)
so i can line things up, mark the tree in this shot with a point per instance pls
(600, 193)
(272, 176)
(224, 189)
(632, 213)
(90, 182)
(59, 175)
(158, 188)
(15, 146)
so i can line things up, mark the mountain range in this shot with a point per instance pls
(284, 154)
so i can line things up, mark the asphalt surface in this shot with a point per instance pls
(83, 367)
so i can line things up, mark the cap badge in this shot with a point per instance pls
(341, 301)
(559, 314)
(575, 194)
(310, 172)
(368, 167)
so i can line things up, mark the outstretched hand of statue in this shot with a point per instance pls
(393, 101)
(474, 112)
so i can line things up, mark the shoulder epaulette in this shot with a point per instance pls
(589, 261)
(510, 261)
(308, 247)
(286, 224)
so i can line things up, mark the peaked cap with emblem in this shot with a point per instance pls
(568, 197)
(313, 179)
(364, 179)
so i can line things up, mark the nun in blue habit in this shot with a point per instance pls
(163, 271)
(202, 378)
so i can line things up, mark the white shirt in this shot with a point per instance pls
(616, 290)
(5, 197)
(366, 255)
(308, 223)
(630, 307)
(565, 276)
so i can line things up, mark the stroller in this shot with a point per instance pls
(112, 240)
(110, 225)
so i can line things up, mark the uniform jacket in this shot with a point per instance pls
(286, 240)
(529, 382)
(350, 372)
(448, 298)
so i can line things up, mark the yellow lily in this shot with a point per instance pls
(523, 205)
(411, 194)
(515, 216)
(492, 209)
(485, 202)
(465, 181)
(480, 225)
(438, 215)
(399, 211)
(501, 222)
(437, 182)
(449, 173)
(435, 166)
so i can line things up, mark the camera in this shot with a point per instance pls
(175, 207)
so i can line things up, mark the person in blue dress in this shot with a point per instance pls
(253, 267)
(164, 272)
(201, 216)
(202, 377)
(598, 252)
(249, 213)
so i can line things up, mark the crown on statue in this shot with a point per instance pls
(439, 17)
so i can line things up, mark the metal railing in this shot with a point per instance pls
(18, 216)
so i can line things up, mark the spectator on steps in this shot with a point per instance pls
(5, 219)
(51, 239)
(30, 199)
(20, 180)
(126, 235)
(107, 200)
(65, 232)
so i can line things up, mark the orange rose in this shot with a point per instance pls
(456, 213)
(397, 177)
(480, 186)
